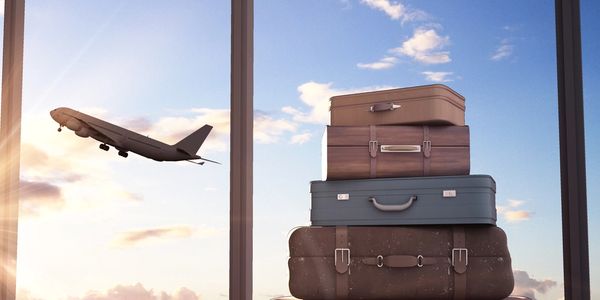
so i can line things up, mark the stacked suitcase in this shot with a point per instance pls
(399, 216)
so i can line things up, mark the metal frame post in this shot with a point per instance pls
(572, 151)
(10, 139)
(240, 238)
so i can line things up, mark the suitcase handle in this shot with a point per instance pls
(379, 107)
(394, 207)
(401, 148)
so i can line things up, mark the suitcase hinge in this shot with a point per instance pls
(427, 148)
(342, 260)
(373, 145)
(460, 259)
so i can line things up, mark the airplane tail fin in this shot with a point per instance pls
(191, 143)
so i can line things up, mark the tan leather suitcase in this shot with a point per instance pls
(360, 152)
(402, 262)
(434, 104)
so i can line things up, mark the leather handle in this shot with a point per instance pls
(379, 107)
(393, 207)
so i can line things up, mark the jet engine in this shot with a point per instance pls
(74, 124)
(83, 132)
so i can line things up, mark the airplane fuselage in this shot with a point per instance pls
(122, 139)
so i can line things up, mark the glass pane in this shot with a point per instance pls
(94, 223)
(499, 55)
(591, 95)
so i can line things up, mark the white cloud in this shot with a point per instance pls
(396, 10)
(425, 46)
(62, 171)
(300, 138)
(172, 129)
(529, 286)
(138, 292)
(511, 212)
(503, 51)
(267, 130)
(437, 76)
(134, 237)
(384, 63)
(316, 96)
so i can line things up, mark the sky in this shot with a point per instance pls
(94, 225)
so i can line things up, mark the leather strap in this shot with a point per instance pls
(426, 151)
(373, 151)
(459, 257)
(403, 261)
(342, 262)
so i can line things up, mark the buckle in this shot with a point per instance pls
(342, 251)
(373, 148)
(427, 148)
(342, 268)
(460, 265)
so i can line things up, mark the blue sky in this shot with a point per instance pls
(163, 69)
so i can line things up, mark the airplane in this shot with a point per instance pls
(125, 140)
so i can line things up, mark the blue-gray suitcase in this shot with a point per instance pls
(469, 199)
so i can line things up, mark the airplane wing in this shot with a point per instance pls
(100, 133)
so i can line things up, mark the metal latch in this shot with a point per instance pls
(427, 148)
(373, 148)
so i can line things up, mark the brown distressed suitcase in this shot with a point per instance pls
(434, 104)
(294, 298)
(410, 262)
(360, 152)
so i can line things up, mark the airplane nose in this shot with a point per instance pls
(54, 115)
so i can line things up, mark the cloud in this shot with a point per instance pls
(61, 171)
(528, 286)
(511, 213)
(396, 10)
(425, 46)
(267, 129)
(384, 63)
(37, 196)
(511, 27)
(504, 50)
(138, 292)
(437, 76)
(139, 124)
(316, 96)
(172, 129)
(135, 237)
(300, 138)
(24, 294)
